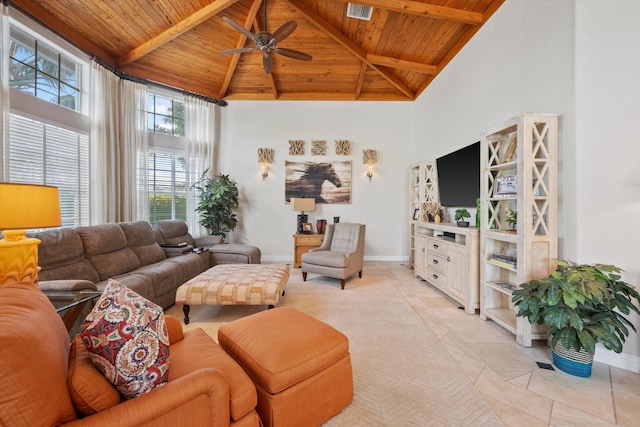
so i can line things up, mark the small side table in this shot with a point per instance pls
(70, 303)
(303, 243)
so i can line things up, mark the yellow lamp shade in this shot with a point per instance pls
(24, 206)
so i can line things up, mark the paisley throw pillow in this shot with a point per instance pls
(127, 339)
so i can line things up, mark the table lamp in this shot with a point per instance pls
(24, 206)
(301, 205)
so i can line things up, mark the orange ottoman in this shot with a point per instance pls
(301, 367)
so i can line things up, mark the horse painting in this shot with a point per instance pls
(326, 182)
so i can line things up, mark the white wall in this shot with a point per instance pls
(608, 148)
(577, 59)
(264, 218)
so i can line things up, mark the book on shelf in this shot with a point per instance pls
(506, 258)
(502, 263)
(506, 285)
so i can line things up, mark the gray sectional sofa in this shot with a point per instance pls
(131, 252)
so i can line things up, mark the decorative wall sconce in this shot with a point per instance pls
(265, 156)
(369, 158)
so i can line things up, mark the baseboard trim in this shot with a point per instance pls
(286, 259)
(621, 360)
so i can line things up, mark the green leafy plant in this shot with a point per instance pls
(461, 214)
(218, 198)
(511, 217)
(581, 305)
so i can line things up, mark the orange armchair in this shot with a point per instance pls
(47, 380)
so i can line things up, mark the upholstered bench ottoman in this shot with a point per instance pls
(301, 367)
(229, 284)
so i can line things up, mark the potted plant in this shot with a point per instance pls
(460, 215)
(581, 305)
(511, 217)
(218, 198)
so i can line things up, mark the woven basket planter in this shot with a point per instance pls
(572, 362)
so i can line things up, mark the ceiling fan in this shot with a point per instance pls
(266, 42)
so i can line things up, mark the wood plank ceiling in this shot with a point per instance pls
(394, 56)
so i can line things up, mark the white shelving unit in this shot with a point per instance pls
(423, 188)
(521, 177)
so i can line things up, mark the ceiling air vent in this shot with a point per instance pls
(359, 12)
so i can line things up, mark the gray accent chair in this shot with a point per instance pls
(341, 254)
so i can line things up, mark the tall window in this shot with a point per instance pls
(48, 144)
(167, 186)
(42, 71)
(165, 115)
(43, 154)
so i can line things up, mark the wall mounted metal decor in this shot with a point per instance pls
(296, 147)
(343, 147)
(318, 148)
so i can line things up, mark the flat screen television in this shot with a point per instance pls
(459, 177)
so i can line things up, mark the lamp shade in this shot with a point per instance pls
(303, 204)
(25, 206)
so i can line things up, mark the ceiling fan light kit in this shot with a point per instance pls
(266, 42)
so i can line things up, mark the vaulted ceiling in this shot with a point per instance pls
(393, 56)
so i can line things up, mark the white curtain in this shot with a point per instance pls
(135, 142)
(199, 129)
(118, 138)
(4, 93)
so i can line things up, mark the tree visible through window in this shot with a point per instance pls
(165, 115)
(42, 71)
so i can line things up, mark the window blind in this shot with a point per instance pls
(40, 153)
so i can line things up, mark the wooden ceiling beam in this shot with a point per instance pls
(363, 71)
(251, 17)
(175, 31)
(356, 50)
(387, 61)
(425, 10)
(315, 96)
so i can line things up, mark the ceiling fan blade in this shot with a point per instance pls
(284, 31)
(239, 50)
(293, 54)
(238, 27)
(267, 62)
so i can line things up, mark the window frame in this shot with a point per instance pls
(29, 106)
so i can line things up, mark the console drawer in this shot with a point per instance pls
(436, 278)
(436, 246)
(437, 262)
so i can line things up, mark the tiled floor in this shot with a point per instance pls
(506, 374)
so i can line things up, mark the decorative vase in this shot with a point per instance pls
(577, 363)
(321, 225)
(437, 219)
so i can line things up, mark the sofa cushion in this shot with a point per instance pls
(105, 246)
(90, 391)
(34, 351)
(127, 339)
(174, 231)
(326, 258)
(142, 241)
(61, 256)
(196, 351)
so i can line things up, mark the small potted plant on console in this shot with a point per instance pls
(581, 305)
(460, 215)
